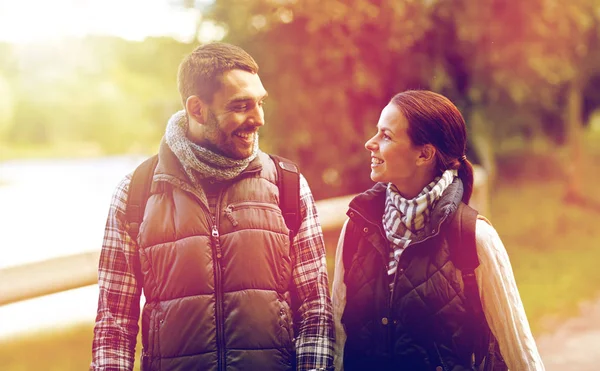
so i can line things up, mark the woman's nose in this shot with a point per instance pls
(370, 145)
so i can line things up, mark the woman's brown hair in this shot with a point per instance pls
(434, 119)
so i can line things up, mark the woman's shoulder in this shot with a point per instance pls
(484, 228)
(488, 241)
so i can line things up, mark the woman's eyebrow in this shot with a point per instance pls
(384, 128)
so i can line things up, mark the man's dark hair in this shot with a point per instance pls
(200, 72)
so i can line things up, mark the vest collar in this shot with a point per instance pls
(370, 206)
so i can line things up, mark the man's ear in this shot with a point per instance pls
(196, 108)
(426, 155)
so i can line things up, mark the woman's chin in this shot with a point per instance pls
(376, 177)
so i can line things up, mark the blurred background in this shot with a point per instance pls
(86, 87)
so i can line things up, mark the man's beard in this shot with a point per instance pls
(220, 142)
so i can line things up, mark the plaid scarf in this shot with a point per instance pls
(199, 162)
(404, 219)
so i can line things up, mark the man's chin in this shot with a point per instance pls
(240, 154)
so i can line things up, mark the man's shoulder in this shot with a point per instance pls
(122, 186)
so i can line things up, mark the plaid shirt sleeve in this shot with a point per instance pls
(314, 344)
(116, 326)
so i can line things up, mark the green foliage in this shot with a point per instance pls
(112, 93)
(330, 67)
(62, 349)
(552, 245)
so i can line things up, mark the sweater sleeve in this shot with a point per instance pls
(501, 302)
(338, 298)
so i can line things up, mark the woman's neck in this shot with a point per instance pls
(411, 187)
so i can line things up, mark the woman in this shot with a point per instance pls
(399, 299)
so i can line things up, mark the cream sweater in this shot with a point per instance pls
(499, 297)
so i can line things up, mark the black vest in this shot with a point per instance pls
(424, 322)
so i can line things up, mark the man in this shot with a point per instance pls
(213, 254)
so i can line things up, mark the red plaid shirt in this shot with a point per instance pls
(116, 327)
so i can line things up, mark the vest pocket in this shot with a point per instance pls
(154, 337)
(240, 212)
(253, 205)
(285, 323)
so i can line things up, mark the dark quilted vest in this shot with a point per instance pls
(217, 290)
(423, 323)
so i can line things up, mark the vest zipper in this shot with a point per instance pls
(219, 320)
(411, 245)
(390, 325)
(377, 226)
(437, 349)
(392, 321)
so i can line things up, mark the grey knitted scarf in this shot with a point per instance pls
(199, 162)
(403, 219)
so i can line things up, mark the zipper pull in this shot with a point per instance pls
(215, 236)
(229, 215)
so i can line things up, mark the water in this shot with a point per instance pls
(51, 208)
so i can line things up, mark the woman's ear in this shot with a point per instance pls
(426, 155)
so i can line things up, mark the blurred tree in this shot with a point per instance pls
(568, 51)
(6, 105)
(100, 92)
(332, 65)
(515, 69)
(330, 68)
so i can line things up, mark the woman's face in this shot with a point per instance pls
(393, 156)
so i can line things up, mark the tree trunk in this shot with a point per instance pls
(574, 163)
(481, 138)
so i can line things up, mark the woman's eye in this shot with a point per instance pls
(385, 136)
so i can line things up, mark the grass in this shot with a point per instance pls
(553, 245)
(59, 350)
(553, 248)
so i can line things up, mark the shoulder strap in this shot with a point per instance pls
(464, 252)
(288, 182)
(462, 238)
(463, 245)
(137, 196)
(350, 246)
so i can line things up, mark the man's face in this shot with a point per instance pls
(235, 115)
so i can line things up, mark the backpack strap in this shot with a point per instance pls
(464, 252)
(463, 245)
(137, 196)
(350, 246)
(288, 182)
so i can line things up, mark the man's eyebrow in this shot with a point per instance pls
(246, 98)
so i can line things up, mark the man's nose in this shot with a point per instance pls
(257, 116)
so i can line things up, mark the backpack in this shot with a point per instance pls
(288, 182)
(461, 230)
(461, 233)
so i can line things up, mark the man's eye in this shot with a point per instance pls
(385, 136)
(240, 107)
